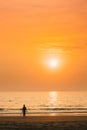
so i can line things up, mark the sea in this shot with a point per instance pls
(43, 103)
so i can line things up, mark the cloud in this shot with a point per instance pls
(68, 48)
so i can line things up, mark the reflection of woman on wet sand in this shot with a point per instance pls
(24, 110)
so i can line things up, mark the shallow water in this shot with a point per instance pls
(43, 102)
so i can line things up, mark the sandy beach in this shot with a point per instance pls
(43, 123)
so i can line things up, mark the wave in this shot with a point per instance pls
(63, 108)
(46, 109)
(1, 109)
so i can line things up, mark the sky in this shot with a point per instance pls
(34, 32)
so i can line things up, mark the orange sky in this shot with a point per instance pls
(31, 32)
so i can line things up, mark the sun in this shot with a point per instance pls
(53, 62)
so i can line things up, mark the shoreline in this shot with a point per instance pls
(44, 118)
(43, 123)
(43, 114)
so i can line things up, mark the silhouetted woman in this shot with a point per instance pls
(24, 110)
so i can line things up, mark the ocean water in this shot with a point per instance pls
(43, 102)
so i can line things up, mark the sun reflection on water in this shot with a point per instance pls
(53, 98)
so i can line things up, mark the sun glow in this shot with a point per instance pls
(53, 62)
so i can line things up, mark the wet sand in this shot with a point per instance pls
(43, 123)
